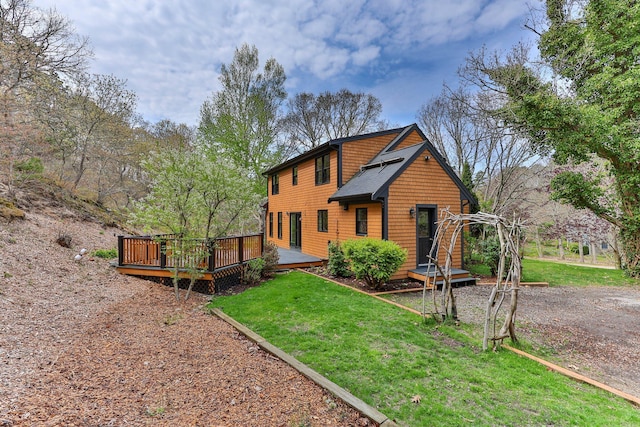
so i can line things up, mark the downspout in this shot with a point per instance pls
(265, 213)
(339, 156)
(385, 217)
(463, 203)
(385, 220)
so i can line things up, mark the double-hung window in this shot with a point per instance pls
(323, 220)
(322, 169)
(361, 221)
(275, 184)
(279, 225)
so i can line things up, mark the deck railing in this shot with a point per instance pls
(170, 251)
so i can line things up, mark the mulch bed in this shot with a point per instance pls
(391, 286)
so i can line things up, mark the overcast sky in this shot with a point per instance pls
(401, 51)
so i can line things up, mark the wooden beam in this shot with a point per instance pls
(155, 272)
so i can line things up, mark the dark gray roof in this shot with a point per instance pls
(373, 181)
(375, 177)
(333, 144)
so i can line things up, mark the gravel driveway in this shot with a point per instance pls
(593, 330)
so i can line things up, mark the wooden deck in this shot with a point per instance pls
(162, 255)
(459, 277)
(290, 258)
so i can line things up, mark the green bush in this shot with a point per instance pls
(337, 265)
(270, 257)
(33, 166)
(374, 260)
(106, 253)
(490, 253)
(28, 170)
(574, 248)
(253, 271)
(471, 249)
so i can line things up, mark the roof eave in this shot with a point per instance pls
(355, 198)
(327, 146)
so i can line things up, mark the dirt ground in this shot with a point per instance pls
(594, 330)
(81, 345)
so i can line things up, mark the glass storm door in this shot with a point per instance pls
(425, 229)
(295, 230)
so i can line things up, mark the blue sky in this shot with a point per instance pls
(401, 51)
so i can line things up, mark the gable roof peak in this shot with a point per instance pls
(334, 144)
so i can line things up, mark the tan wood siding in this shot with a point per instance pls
(346, 221)
(306, 198)
(422, 183)
(411, 139)
(359, 152)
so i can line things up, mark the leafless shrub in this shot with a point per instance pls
(64, 240)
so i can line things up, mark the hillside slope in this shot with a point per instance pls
(81, 344)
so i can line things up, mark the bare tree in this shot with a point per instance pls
(35, 42)
(312, 120)
(465, 128)
(35, 45)
(169, 134)
(97, 102)
(449, 122)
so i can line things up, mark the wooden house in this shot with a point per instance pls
(389, 185)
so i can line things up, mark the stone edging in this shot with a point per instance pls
(360, 406)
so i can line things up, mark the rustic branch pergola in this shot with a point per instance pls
(507, 279)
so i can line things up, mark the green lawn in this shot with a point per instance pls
(550, 250)
(385, 356)
(558, 274)
(562, 274)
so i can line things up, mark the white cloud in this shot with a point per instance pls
(500, 13)
(365, 55)
(171, 52)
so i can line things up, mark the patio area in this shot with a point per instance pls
(290, 258)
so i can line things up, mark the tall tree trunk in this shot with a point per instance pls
(581, 251)
(616, 251)
(560, 248)
(593, 250)
(630, 236)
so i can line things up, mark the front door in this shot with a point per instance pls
(425, 227)
(295, 230)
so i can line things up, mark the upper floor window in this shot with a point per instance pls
(294, 175)
(361, 221)
(322, 169)
(275, 184)
(323, 220)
